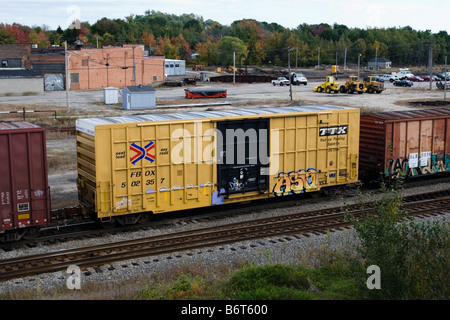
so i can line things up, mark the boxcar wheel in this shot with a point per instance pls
(31, 234)
(145, 218)
(107, 224)
(332, 191)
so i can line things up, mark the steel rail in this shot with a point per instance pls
(188, 240)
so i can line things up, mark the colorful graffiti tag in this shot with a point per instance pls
(295, 182)
(413, 168)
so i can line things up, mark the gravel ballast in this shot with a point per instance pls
(286, 249)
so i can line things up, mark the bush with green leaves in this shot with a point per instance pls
(412, 255)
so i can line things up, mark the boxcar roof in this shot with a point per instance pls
(410, 114)
(88, 125)
(17, 125)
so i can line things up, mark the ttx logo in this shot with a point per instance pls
(142, 153)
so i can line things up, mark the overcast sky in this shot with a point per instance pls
(419, 14)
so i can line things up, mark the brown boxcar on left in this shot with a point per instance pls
(24, 190)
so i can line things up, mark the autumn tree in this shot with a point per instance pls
(182, 47)
(5, 36)
(18, 32)
(227, 47)
(148, 40)
(165, 47)
(39, 38)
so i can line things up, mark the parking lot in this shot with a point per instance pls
(240, 95)
(61, 150)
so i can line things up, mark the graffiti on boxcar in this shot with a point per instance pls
(125, 202)
(295, 182)
(235, 185)
(417, 167)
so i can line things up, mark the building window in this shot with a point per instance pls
(4, 63)
(47, 67)
(85, 62)
(74, 77)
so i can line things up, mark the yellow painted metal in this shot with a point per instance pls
(162, 166)
(315, 151)
(144, 167)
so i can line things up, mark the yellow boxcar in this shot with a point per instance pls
(130, 166)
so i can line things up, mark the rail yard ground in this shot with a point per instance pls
(62, 148)
(240, 95)
(61, 153)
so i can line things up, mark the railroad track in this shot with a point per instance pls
(299, 223)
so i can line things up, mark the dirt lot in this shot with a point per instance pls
(61, 149)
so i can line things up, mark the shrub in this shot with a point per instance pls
(412, 256)
(271, 282)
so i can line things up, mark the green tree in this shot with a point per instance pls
(226, 49)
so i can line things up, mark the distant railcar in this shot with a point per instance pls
(416, 143)
(199, 93)
(131, 167)
(24, 191)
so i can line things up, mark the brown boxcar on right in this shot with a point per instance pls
(415, 142)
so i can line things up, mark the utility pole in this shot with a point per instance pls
(376, 58)
(336, 64)
(289, 68)
(296, 57)
(430, 62)
(234, 67)
(445, 79)
(318, 59)
(359, 58)
(345, 59)
(66, 61)
(134, 69)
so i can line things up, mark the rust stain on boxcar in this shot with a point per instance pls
(415, 142)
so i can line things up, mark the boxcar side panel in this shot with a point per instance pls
(373, 146)
(139, 173)
(315, 151)
(138, 165)
(415, 143)
(24, 192)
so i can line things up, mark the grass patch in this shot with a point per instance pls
(333, 281)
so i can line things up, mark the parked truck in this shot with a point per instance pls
(281, 81)
(298, 79)
(405, 74)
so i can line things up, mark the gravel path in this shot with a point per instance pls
(286, 249)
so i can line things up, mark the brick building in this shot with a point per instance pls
(92, 68)
(50, 63)
(15, 56)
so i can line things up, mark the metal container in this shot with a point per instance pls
(138, 97)
(24, 191)
(168, 162)
(199, 93)
(414, 142)
(111, 95)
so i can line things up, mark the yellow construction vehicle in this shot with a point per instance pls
(352, 85)
(372, 85)
(328, 86)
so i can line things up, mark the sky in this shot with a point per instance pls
(418, 14)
